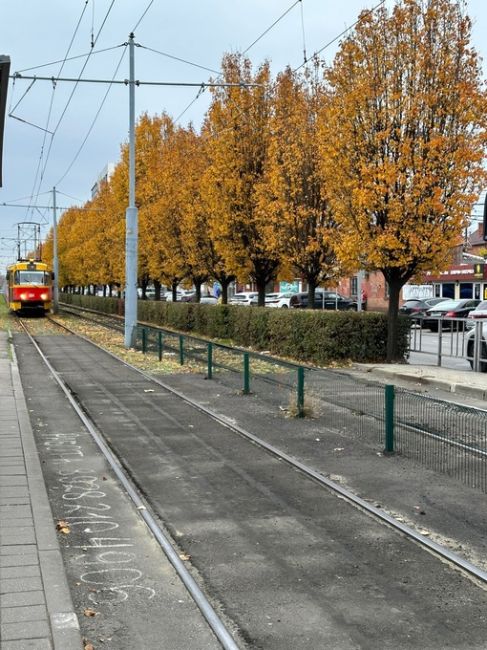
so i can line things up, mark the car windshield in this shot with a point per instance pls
(481, 306)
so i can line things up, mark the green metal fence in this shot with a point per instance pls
(250, 372)
(444, 437)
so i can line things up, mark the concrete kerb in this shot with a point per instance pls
(65, 629)
(432, 377)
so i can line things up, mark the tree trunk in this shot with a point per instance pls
(261, 285)
(143, 285)
(225, 283)
(197, 286)
(174, 289)
(157, 290)
(311, 294)
(395, 286)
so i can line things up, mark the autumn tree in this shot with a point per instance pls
(403, 142)
(237, 132)
(189, 162)
(294, 195)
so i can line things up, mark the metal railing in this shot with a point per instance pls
(246, 370)
(458, 338)
(443, 437)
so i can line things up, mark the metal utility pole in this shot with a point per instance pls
(55, 259)
(131, 219)
(360, 279)
(131, 213)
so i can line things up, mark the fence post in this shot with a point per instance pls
(246, 369)
(159, 345)
(210, 361)
(389, 416)
(300, 393)
(440, 340)
(477, 347)
(181, 349)
(144, 340)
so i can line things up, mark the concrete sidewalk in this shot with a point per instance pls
(463, 383)
(36, 611)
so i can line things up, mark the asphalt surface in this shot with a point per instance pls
(288, 563)
(125, 592)
(36, 609)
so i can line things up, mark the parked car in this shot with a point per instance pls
(417, 307)
(480, 312)
(323, 300)
(243, 298)
(182, 295)
(442, 313)
(470, 344)
(204, 300)
(168, 296)
(280, 300)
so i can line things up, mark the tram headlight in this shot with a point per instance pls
(44, 296)
(23, 296)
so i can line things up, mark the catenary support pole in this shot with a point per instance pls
(55, 258)
(131, 218)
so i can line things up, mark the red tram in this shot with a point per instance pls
(29, 286)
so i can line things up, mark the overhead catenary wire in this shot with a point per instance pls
(51, 103)
(90, 129)
(66, 59)
(219, 73)
(11, 110)
(71, 95)
(305, 58)
(49, 207)
(75, 198)
(125, 82)
(143, 16)
(345, 31)
(92, 24)
(271, 26)
(177, 58)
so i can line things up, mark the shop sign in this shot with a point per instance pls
(479, 270)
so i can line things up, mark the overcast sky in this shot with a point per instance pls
(36, 33)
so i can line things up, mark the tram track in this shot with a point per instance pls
(476, 573)
(209, 613)
(115, 323)
(378, 513)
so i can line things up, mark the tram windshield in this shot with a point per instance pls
(31, 277)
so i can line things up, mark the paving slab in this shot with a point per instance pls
(31, 567)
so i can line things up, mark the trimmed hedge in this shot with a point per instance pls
(312, 336)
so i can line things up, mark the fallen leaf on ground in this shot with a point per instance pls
(63, 527)
(89, 612)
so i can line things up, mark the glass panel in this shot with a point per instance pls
(466, 290)
(448, 290)
(33, 277)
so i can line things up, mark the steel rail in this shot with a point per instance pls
(406, 425)
(216, 624)
(196, 355)
(436, 549)
(257, 355)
